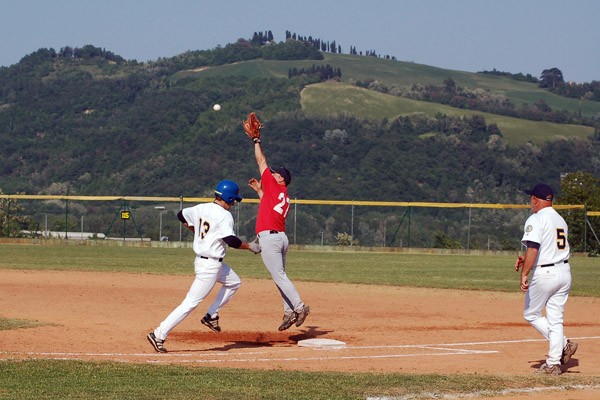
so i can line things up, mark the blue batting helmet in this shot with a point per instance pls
(229, 191)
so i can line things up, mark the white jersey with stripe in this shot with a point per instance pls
(211, 224)
(550, 230)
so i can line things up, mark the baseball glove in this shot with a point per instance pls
(252, 127)
(254, 247)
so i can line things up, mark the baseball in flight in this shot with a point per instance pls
(216, 107)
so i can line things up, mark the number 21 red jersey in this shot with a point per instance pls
(274, 205)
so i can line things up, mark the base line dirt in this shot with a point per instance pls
(386, 329)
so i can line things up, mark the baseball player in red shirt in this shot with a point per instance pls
(270, 230)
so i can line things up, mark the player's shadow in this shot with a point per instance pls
(311, 333)
(272, 339)
(573, 362)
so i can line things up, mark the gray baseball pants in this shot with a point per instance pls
(274, 246)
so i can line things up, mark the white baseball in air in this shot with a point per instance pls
(216, 107)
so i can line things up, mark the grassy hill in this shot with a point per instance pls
(336, 98)
(90, 125)
(404, 74)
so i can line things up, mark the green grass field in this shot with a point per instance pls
(96, 380)
(492, 272)
(113, 381)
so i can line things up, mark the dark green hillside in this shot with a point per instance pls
(88, 122)
(98, 124)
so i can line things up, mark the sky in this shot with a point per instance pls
(513, 36)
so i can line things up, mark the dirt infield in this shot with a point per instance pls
(101, 316)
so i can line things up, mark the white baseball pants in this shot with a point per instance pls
(549, 288)
(208, 273)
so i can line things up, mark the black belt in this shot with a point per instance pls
(211, 258)
(271, 232)
(552, 265)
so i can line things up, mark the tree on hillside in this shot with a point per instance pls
(449, 85)
(261, 38)
(551, 78)
(581, 188)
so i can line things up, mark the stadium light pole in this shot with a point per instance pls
(160, 209)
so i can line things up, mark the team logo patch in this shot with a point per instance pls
(529, 228)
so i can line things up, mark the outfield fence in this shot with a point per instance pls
(310, 222)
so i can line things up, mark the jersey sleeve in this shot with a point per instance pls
(532, 232)
(227, 226)
(267, 180)
(188, 214)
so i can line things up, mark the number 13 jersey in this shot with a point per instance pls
(211, 224)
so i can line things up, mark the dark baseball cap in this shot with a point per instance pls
(541, 191)
(287, 177)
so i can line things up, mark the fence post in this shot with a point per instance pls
(180, 225)
(295, 216)
(352, 227)
(585, 222)
(8, 218)
(409, 211)
(469, 231)
(67, 214)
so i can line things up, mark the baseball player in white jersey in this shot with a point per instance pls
(212, 225)
(547, 258)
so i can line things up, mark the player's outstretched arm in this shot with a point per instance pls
(237, 243)
(261, 160)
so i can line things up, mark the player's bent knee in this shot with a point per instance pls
(531, 317)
